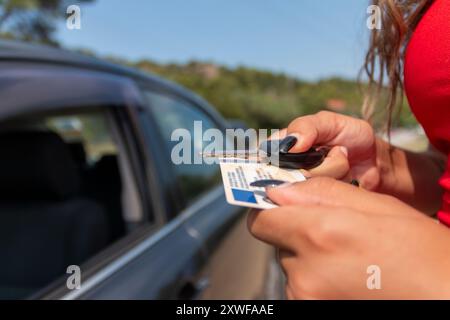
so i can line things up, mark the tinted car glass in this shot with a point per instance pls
(173, 113)
(63, 204)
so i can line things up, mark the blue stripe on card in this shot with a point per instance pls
(243, 196)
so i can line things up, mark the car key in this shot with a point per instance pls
(303, 160)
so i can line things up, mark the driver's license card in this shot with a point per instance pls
(237, 175)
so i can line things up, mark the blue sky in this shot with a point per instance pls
(310, 39)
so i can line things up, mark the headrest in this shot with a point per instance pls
(78, 153)
(36, 165)
(107, 170)
(107, 164)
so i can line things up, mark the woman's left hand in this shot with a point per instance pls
(330, 234)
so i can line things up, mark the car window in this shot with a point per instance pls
(91, 130)
(173, 113)
(67, 193)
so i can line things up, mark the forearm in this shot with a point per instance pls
(411, 177)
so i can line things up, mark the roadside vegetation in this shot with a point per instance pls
(265, 99)
(261, 99)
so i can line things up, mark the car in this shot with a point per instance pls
(91, 206)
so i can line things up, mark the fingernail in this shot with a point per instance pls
(281, 186)
(267, 183)
(287, 143)
(344, 150)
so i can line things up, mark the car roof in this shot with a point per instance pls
(21, 51)
(11, 50)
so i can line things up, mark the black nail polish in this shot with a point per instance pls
(266, 146)
(267, 183)
(287, 143)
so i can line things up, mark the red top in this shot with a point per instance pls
(427, 84)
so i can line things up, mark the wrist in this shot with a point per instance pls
(408, 176)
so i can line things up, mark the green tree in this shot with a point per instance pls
(32, 20)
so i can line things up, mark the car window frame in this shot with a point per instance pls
(58, 288)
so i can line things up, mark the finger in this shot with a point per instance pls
(278, 135)
(324, 191)
(315, 191)
(367, 173)
(288, 261)
(289, 293)
(335, 165)
(283, 227)
(294, 270)
(320, 128)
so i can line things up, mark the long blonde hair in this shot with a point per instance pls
(384, 59)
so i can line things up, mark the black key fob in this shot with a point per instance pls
(304, 160)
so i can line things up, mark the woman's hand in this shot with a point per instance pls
(354, 152)
(329, 234)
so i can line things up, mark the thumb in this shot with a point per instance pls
(324, 191)
(315, 191)
(320, 128)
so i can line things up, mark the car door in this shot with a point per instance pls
(152, 260)
(161, 262)
(236, 266)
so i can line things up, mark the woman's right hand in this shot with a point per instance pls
(354, 151)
